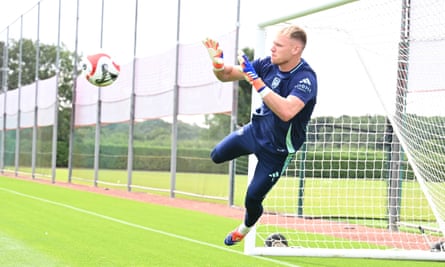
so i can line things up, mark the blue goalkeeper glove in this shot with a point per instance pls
(251, 75)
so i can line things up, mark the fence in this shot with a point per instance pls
(152, 119)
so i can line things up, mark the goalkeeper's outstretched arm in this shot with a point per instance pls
(284, 107)
(224, 73)
(230, 73)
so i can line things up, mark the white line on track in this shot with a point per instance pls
(143, 227)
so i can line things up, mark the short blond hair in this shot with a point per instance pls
(294, 32)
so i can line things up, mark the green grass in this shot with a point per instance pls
(47, 225)
(369, 195)
(341, 193)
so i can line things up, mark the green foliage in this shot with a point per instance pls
(149, 158)
(245, 95)
(22, 64)
(363, 131)
(63, 136)
(348, 164)
(153, 138)
(218, 125)
(22, 54)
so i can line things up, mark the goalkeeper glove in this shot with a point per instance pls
(251, 75)
(215, 53)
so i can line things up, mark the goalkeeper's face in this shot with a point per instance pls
(285, 51)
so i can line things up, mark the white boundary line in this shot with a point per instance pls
(143, 227)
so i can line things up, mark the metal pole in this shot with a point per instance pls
(5, 92)
(175, 111)
(395, 179)
(99, 111)
(56, 104)
(73, 101)
(306, 12)
(36, 103)
(130, 153)
(17, 133)
(300, 208)
(234, 117)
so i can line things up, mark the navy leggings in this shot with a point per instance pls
(267, 172)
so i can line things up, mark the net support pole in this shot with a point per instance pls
(174, 144)
(394, 184)
(99, 110)
(73, 104)
(132, 105)
(19, 113)
(36, 100)
(56, 103)
(234, 117)
(5, 94)
(395, 181)
(300, 208)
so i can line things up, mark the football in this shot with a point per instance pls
(276, 240)
(100, 69)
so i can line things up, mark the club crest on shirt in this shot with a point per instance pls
(276, 81)
(304, 85)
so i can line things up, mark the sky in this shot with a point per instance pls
(200, 19)
(204, 18)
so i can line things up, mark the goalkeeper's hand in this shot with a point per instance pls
(251, 75)
(215, 53)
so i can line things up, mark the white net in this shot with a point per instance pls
(370, 176)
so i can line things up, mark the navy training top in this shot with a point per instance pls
(270, 131)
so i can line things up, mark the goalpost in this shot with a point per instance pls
(370, 180)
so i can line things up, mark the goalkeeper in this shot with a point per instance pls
(288, 88)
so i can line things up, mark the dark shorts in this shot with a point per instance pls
(269, 168)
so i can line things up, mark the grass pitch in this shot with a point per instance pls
(47, 225)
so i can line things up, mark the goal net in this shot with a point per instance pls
(370, 180)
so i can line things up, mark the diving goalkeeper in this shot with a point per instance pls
(288, 88)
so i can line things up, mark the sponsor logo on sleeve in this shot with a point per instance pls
(304, 85)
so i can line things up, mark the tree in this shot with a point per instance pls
(219, 124)
(47, 68)
(245, 95)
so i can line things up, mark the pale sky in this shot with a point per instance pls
(200, 19)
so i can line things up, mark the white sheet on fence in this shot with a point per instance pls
(46, 101)
(199, 91)
(426, 83)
